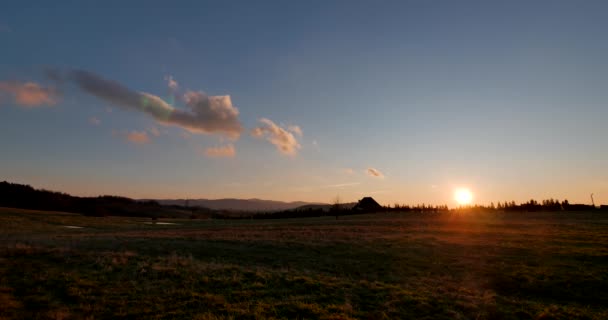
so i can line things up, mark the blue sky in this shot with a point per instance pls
(505, 98)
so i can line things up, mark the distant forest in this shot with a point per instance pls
(26, 197)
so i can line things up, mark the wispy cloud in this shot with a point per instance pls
(94, 121)
(29, 94)
(226, 151)
(342, 185)
(171, 83)
(137, 137)
(372, 172)
(296, 130)
(154, 131)
(203, 114)
(348, 171)
(282, 138)
(374, 192)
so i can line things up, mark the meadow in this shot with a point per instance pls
(56, 265)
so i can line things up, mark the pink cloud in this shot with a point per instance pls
(226, 151)
(138, 137)
(29, 94)
(282, 139)
(154, 131)
(171, 83)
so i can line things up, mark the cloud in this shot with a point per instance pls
(283, 139)
(171, 83)
(209, 114)
(342, 185)
(374, 173)
(29, 94)
(204, 114)
(374, 192)
(154, 131)
(348, 171)
(226, 151)
(137, 137)
(296, 130)
(94, 121)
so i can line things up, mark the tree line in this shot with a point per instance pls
(26, 197)
(548, 205)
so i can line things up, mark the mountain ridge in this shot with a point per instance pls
(236, 204)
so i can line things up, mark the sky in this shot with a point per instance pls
(404, 101)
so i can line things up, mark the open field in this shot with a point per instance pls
(537, 266)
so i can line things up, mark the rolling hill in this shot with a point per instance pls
(238, 204)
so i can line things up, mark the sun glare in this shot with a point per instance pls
(463, 196)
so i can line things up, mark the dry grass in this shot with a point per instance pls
(385, 266)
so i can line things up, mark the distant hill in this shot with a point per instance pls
(239, 204)
(14, 195)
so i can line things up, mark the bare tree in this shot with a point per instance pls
(336, 206)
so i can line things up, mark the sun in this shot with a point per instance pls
(463, 196)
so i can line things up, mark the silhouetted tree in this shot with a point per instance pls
(336, 207)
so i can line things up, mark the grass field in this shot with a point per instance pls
(384, 266)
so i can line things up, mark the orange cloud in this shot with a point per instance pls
(29, 94)
(226, 151)
(138, 137)
(283, 139)
(374, 173)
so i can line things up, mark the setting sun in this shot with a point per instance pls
(463, 196)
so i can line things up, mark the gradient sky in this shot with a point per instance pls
(401, 100)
